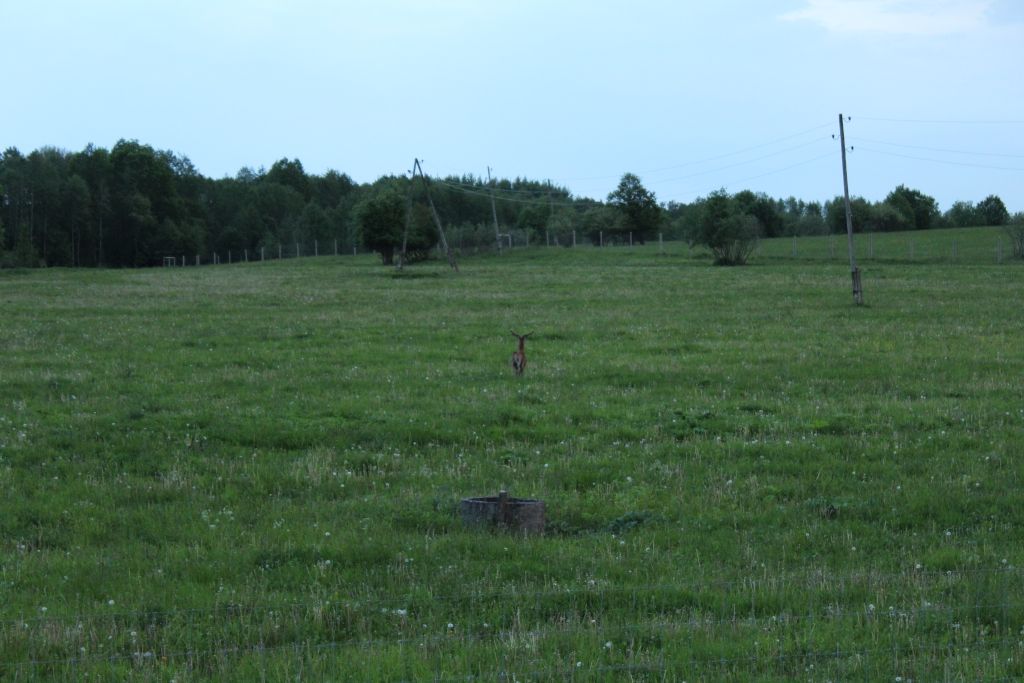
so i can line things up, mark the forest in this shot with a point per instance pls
(134, 205)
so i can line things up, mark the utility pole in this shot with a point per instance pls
(433, 212)
(858, 292)
(494, 211)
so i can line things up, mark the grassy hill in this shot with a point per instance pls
(246, 471)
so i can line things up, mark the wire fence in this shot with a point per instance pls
(983, 247)
(923, 625)
(924, 247)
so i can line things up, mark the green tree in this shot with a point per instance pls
(963, 215)
(920, 209)
(992, 211)
(639, 207)
(75, 207)
(860, 210)
(289, 172)
(381, 217)
(726, 229)
(601, 222)
(561, 225)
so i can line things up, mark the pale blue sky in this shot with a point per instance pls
(691, 96)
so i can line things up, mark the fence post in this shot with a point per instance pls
(630, 238)
(229, 257)
(661, 243)
(279, 251)
(574, 238)
(297, 252)
(245, 255)
(197, 259)
(263, 256)
(316, 248)
(600, 236)
(335, 247)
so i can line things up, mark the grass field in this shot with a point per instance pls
(252, 472)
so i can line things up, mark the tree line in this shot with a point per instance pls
(133, 205)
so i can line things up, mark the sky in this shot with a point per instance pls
(690, 96)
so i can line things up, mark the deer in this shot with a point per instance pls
(519, 357)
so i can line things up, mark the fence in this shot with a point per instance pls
(964, 247)
(924, 247)
(911, 624)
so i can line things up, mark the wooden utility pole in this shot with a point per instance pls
(433, 212)
(858, 292)
(494, 211)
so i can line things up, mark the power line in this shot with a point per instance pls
(535, 200)
(939, 149)
(965, 122)
(940, 161)
(827, 155)
(749, 161)
(716, 157)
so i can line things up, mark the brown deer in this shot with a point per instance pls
(519, 357)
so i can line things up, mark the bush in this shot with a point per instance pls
(726, 230)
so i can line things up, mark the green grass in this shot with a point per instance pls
(252, 471)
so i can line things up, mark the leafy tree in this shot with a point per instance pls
(812, 220)
(920, 209)
(860, 211)
(887, 217)
(381, 218)
(314, 224)
(726, 229)
(763, 209)
(289, 172)
(639, 207)
(963, 215)
(75, 207)
(992, 211)
(533, 219)
(598, 221)
(561, 225)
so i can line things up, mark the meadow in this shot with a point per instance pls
(252, 471)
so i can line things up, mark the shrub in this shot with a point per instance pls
(726, 230)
